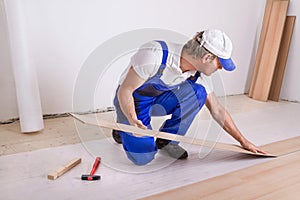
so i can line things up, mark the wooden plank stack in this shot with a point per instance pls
(272, 51)
(282, 58)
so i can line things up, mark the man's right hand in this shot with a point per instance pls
(137, 123)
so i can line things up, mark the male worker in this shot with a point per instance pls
(166, 78)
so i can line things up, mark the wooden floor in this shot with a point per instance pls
(276, 179)
(26, 159)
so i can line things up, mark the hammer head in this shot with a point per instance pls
(87, 177)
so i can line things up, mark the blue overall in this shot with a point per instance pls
(155, 98)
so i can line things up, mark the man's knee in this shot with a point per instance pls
(140, 150)
(141, 158)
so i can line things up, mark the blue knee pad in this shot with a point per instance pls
(140, 150)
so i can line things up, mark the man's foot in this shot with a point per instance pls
(174, 150)
(116, 136)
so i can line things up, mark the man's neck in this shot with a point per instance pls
(185, 62)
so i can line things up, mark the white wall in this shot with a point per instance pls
(8, 103)
(291, 88)
(61, 34)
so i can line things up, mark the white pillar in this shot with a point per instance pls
(27, 90)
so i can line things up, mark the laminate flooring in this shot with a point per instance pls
(26, 159)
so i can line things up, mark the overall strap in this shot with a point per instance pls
(164, 57)
(194, 78)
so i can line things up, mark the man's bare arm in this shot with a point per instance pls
(221, 115)
(131, 83)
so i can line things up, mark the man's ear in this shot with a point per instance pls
(207, 58)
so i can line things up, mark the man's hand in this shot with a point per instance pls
(251, 147)
(137, 123)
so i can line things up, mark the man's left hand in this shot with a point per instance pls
(251, 147)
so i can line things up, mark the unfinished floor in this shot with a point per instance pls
(26, 159)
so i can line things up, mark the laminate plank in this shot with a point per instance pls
(270, 50)
(278, 148)
(283, 147)
(282, 58)
(291, 192)
(262, 180)
(146, 132)
(261, 42)
(63, 169)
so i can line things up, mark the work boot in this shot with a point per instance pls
(116, 136)
(174, 150)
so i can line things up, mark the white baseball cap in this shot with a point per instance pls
(219, 44)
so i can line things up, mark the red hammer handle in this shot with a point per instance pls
(95, 166)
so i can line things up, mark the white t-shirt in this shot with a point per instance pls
(147, 60)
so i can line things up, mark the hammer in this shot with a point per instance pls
(91, 176)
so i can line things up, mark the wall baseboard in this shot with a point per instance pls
(58, 115)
